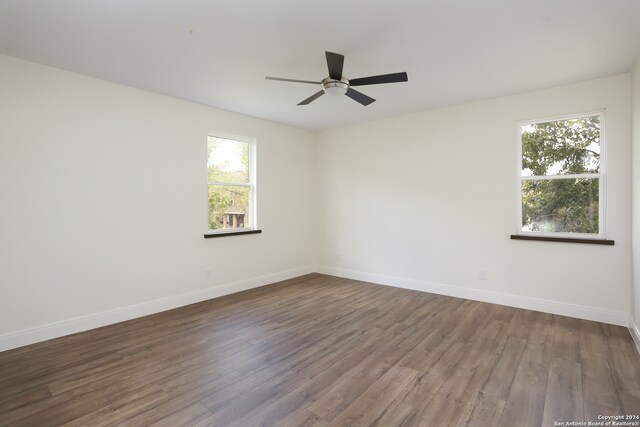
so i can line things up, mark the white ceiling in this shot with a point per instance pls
(218, 52)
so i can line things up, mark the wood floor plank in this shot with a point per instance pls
(592, 339)
(318, 350)
(526, 399)
(397, 413)
(483, 410)
(24, 398)
(566, 339)
(543, 333)
(122, 367)
(504, 371)
(30, 380)
(369, 406)
(353, 383)
(303, 418)
(482, 352)
(435, 407)
(624, 364)
(468, 319)
(330, 369)
(186, 417)
(542, 329)
(598, 381)
(520, 324)
(160, 411)
(426, 352)
(120, 410)
(55, 410)
(436, 373)
(281, 378)
(564, 401)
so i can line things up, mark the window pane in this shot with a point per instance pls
(561, 147)
(560, 205)
(228, 160)
(228, 207)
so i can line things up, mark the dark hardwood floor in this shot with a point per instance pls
(319, 350)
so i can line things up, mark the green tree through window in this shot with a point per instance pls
(231, 190)
(561, 176)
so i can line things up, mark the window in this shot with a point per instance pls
(231, 179)
(561, 177)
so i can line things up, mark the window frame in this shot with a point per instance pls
(251, 185)
(601, 175)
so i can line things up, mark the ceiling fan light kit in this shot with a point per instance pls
(335, 87)
(336, 84)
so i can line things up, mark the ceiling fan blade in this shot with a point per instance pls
(376, 80)
(292, 80)
(335, 61)
(359, 96)
(312, 98)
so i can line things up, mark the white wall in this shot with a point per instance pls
(103, 210)
(635, 200)
(428, 200)
(103, 202)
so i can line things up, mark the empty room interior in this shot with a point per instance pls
(248, 213)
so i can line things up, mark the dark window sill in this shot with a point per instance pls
(563, 239)
(231, 233)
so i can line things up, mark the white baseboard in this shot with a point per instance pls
(96, 320)
(635, 333)
(530, 303)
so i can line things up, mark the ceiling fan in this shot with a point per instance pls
(337, 84)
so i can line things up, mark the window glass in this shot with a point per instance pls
(231, 187)
(561, 147)
(561, 176)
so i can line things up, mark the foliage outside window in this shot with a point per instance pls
(561, 188)
(230, 175)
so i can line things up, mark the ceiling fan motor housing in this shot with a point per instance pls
(335, 87)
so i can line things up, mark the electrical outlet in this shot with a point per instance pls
(207, 273)
(482, 275)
